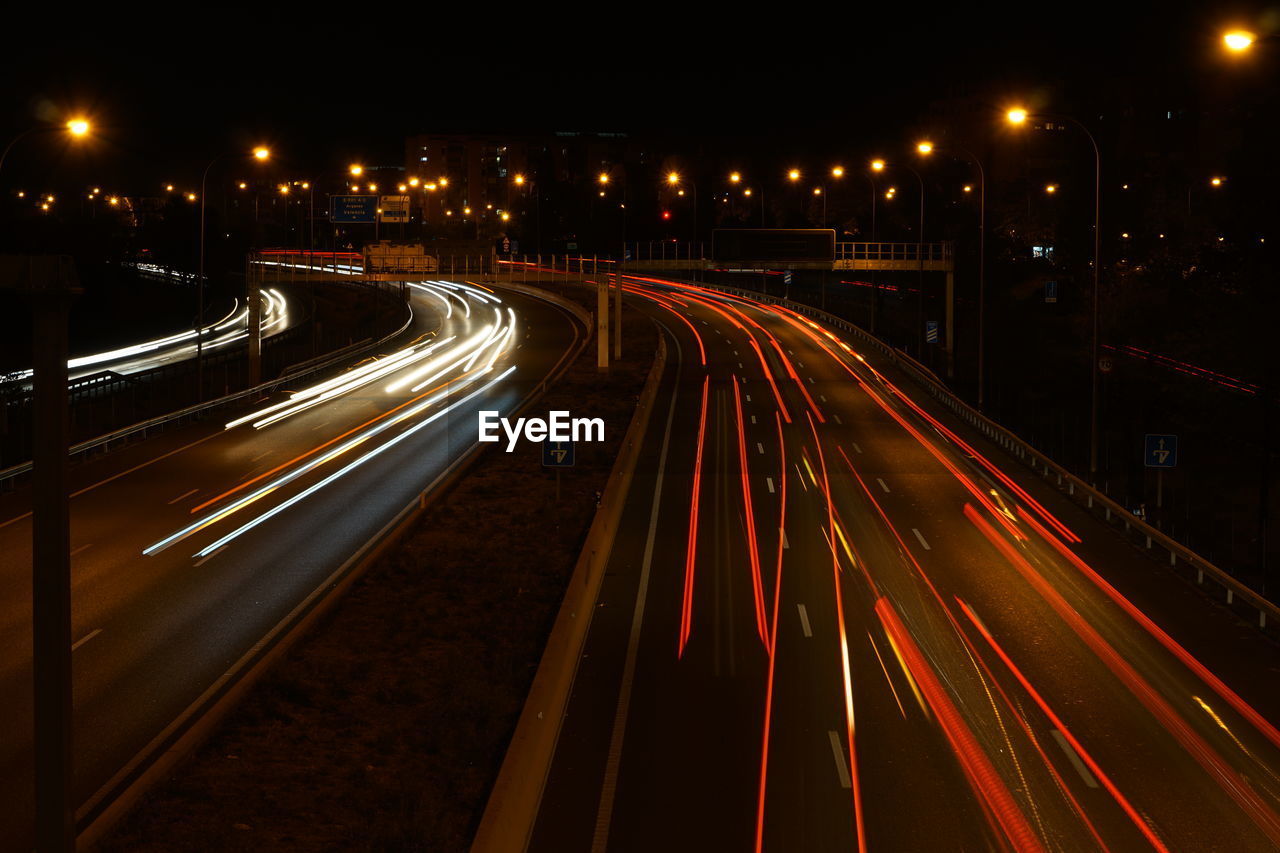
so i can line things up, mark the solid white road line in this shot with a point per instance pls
(183, 496)
(96, 631)
(804, 621)
(1074, 759)
(609, 785)
(883, 485)
(920, 536)
(841, 768)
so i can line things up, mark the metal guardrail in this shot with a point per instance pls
(1236, 593)
(141, 429)
(941, 251)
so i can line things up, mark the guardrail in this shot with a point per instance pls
(141, 429)
(1236, 593)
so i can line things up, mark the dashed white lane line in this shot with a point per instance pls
(822, 398)
(753, 418)
(748, 396)
(837, 419)
(786, 546)
(769, 482)
(883, 485)
(856, 447)
(735, 352)
(811, 382)
(799, 363)
(740, 367)
(790, 352)
(96, 631)
(1074, 759)
(920, 536)
(183, 496)
(81, 549)
(760, 447)
(804, 621)
(841, 768)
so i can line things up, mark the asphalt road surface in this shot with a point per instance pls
(189, 550)
(837, 619)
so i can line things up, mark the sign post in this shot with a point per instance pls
(1160, 452)
(558, 454)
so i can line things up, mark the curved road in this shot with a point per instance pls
(833, 620)
(189, 550)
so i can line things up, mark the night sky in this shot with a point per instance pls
(165, 92)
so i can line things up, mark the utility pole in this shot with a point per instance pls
(50, 282)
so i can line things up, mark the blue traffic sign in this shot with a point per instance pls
(1161, 451)
(353, 208)
(557, 454)
(931, 331)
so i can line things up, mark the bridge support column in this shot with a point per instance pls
(253, 287)
(951, 324)
(602, 324)
(617, 317)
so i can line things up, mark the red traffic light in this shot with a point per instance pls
(666, 214)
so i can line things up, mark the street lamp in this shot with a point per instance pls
(1018, 116)
(261, 153)
(77, 127)
(925, 148)
(879, 165)
(1238, 41)
(674, 180)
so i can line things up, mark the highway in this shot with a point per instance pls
(194, 550)
(837, 619)
(227, 331)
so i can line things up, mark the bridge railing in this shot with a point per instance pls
(938, 251)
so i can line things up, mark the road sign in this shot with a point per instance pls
(557, 454)
(1050, 291)
(786, 277)
(353, 208)
(1161, 451)
(395, 208)
(931, 331)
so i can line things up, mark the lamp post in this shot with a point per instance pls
(260, 153)
(77, 127)
(925, 148)
(879, 165)
(1019, 116)
(674, 180)
(875, 287)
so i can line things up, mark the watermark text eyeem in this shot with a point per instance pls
(558, 426)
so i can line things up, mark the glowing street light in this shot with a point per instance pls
(793, 175)
(877, 165)
(78, 127)
(1238, 41)
(924, 147)
(1050, 188)
(673, 178)
(262, 152)
(1216, 180)
(356, 170)
(1017, 115)
(519, 179)
(735, 177)
(603, 177)
(837, 171)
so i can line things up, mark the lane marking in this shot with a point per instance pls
(799, 363)
(769, 482)
(81, 548)
(811, 382)
(856, 447)
(95, 632)
(260, 455)
(883, 485)
(822, 398)
(760, 447)
(841, 768)
(837, 419)
(609, 784)
(748, 396)
(740, 367)
(804, 620)
(753, 418)
(182, 496)
(920, 536)
(1074, 758)
(785, 544)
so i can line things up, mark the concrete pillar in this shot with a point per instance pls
(602, 324)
